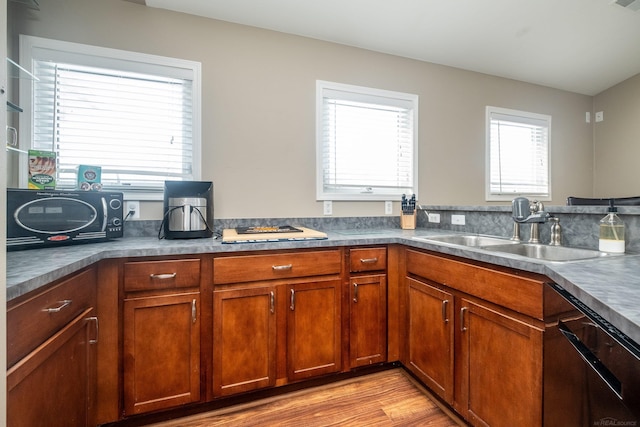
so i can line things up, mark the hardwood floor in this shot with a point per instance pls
(389, 398)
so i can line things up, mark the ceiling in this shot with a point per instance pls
(582, 46)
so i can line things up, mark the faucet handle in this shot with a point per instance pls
(556, 231)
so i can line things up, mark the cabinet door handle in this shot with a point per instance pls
(462, 327)
(355, 292)
(281, 267)
(272, 302)
(193, 311)
(368, 260)
(293, 300)
(445, 303)
(95, 320)
(57, 309)
(163, 276)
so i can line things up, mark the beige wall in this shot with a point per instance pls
(258, 107)
(617, 140)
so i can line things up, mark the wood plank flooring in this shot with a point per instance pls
(388, 398)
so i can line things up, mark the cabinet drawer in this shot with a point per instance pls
(515, 290)
(33, 321)
(150, 275)
(248, 268)
(367, 259)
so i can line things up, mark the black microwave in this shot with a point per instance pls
(45, 218)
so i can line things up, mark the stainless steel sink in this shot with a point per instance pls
(473, 240)
(547, 253)
(506, 246)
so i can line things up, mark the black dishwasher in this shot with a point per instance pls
(592, 370)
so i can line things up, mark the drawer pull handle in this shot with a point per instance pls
(292, 306)
(462, 327)
(163, 276)
(355, 292)
(57, 309)
(194, 312)
(94, 319)
(272, 302)
(281, 267)
(445, 319)
(368, 260)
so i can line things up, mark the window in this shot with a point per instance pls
(136, 116)
(366, 143)
(517, 154)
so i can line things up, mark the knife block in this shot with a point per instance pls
(408, 221)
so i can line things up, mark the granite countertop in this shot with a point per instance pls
(609, 285)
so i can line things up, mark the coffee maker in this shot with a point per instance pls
(188, 209)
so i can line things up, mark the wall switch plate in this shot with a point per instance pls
(588, 117)
(132, 206)
(434, 217)
(599, 116)
(388, 208)
(457, 219)
(327, 207)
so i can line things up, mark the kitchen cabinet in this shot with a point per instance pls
(314, 329)
(483, 358)
(161, 334)
(500, 369)
(430, 335)
(52, 337)
(367, 306)
(277, 318)
(184, 330)
(244, 330)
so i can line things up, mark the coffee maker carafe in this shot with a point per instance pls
(188, 209)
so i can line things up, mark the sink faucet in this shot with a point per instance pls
(525, 212)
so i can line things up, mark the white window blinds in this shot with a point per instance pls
(366, 143)
(136, 127)
(518, 145)
(134, 119)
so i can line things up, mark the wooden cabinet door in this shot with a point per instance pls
(368, 320)
(430, 337)
(161, 352)
(244, 339)
(54, 385)
(313, 329)
(501, 368)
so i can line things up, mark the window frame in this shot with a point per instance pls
(371, 93)
(109, 58)
(526, 115)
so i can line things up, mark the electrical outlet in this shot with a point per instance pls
(132, 206)
(434, 217)
(457, 219)
(388, 208)
(599, 116)
(328, 207)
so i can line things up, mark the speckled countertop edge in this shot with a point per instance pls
(610, 286)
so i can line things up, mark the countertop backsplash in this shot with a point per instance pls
(580, 224)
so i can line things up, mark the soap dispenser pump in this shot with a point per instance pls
(611, 231)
